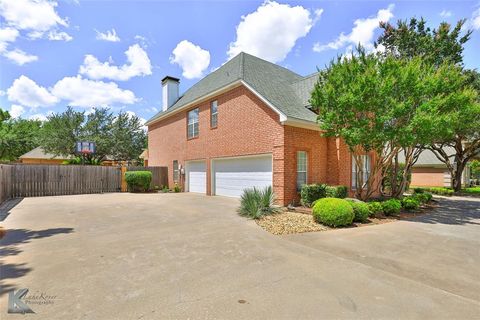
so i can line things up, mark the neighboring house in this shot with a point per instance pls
(144, 157)
(428, 171)
(39, 156)
(246, 124)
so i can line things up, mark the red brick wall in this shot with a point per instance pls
(428, 177)
(316, 146)
(247, 126)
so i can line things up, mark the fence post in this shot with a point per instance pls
(124, 182)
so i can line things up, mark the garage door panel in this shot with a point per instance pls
(232, 176)
(196, 176)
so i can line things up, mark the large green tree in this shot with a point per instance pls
(118, 137)
(445, 44)
(17, 136)
(381, 104)
(413, 38)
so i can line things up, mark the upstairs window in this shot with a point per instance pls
(192, 124)
(365, 171)
(213, 114)
(301, 169)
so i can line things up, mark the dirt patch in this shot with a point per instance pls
(290, 222)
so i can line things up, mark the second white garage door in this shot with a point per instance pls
(196, 176)
(233, 175)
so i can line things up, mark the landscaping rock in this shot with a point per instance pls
(290, 222)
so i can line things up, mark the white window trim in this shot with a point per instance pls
(214, 114)
(367, 162)
(306, 167)
(192, 124)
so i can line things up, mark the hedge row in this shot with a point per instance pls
(336, 212)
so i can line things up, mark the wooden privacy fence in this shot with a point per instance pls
(6, 189)
(159, 175)
(55, 180)
(29, 180)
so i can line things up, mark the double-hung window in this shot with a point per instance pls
(192, 124)
(301, 169)
(365, 170)
(213, 114)
(175, 171)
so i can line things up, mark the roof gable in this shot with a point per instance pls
(272, 82)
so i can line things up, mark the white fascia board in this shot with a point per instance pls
(302, 124)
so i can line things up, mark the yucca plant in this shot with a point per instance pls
(256, 203)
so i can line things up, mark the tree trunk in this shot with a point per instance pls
(456, 182)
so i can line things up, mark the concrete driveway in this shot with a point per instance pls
(178, 256)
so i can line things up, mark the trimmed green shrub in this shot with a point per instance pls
(421, 197)
(256, 203)
(429, 196)
(375, 208)
(336, 191)
(418, 190)
(333, 212)
(437, 190)
(410, 203)
(360, 210)
(310, 193)
(138, 181)
(472, 190)
(391, 207)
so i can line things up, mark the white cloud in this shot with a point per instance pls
(81, 92)
(19, 57)
(476, 19)
(191, 58)
(16, 110)
(7, 35)
(109, 35)
(142, 120)
(59, 36)
(38, 116)
(26, 92)
(139, 65)
(272, 30)
(36, 15)
(362, 32)
(445, 13)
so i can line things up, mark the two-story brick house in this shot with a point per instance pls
(246, 124)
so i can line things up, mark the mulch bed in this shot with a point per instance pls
(300, 220)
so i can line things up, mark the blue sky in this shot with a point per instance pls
(114, 53)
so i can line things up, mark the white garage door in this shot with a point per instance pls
(232, 176)
(196, 176)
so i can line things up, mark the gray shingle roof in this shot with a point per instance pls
(39, 153)
(286, 90)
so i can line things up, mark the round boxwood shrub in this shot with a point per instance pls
(333, 212)
(410, 203)
(138, 181)
(375, 208)
(391, 207)
(360, 211)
